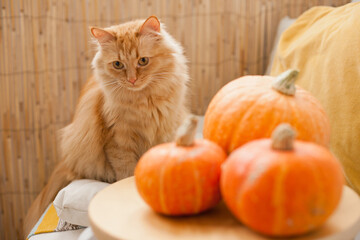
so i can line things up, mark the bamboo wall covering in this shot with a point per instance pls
(45, 56)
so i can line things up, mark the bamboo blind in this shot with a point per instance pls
(45, 59)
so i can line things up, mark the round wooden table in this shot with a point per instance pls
(118, 212)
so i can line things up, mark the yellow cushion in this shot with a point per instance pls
(324, 44)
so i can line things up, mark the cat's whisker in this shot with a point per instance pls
(118, 87)
(161, 74)
(165, 76)
(111, 83)
(158, 78)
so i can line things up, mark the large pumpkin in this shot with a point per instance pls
(280, 187)
(182, 177)
(251, 107)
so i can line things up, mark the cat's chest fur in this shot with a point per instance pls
(138, 124)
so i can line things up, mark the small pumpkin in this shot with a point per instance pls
(282, 186)
(251, 107)
(182, 177)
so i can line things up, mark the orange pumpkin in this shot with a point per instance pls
(181, 178)
(251, 107)
(282, 187)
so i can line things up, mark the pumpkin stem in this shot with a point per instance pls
(283, 137)
(186, 132)
(285, 82)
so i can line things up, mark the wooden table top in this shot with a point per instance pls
(118, 212)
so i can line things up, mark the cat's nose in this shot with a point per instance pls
(132, 80)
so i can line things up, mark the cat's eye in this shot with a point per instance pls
(143, 61)
(118, 65)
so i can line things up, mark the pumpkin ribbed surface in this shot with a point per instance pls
(178, 180)
(249, 108)
(281, 193)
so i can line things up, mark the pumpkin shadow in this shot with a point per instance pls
(217, 216)
(212, 222)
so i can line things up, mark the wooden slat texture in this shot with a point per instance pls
(45, 55)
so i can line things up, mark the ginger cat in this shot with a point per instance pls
(135, 100)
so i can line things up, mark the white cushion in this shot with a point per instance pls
(72, 202)
(200, 126)
(283, 25)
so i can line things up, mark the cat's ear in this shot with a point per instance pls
(102, 35)
(152, 24)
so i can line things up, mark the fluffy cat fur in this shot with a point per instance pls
(121, 112)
